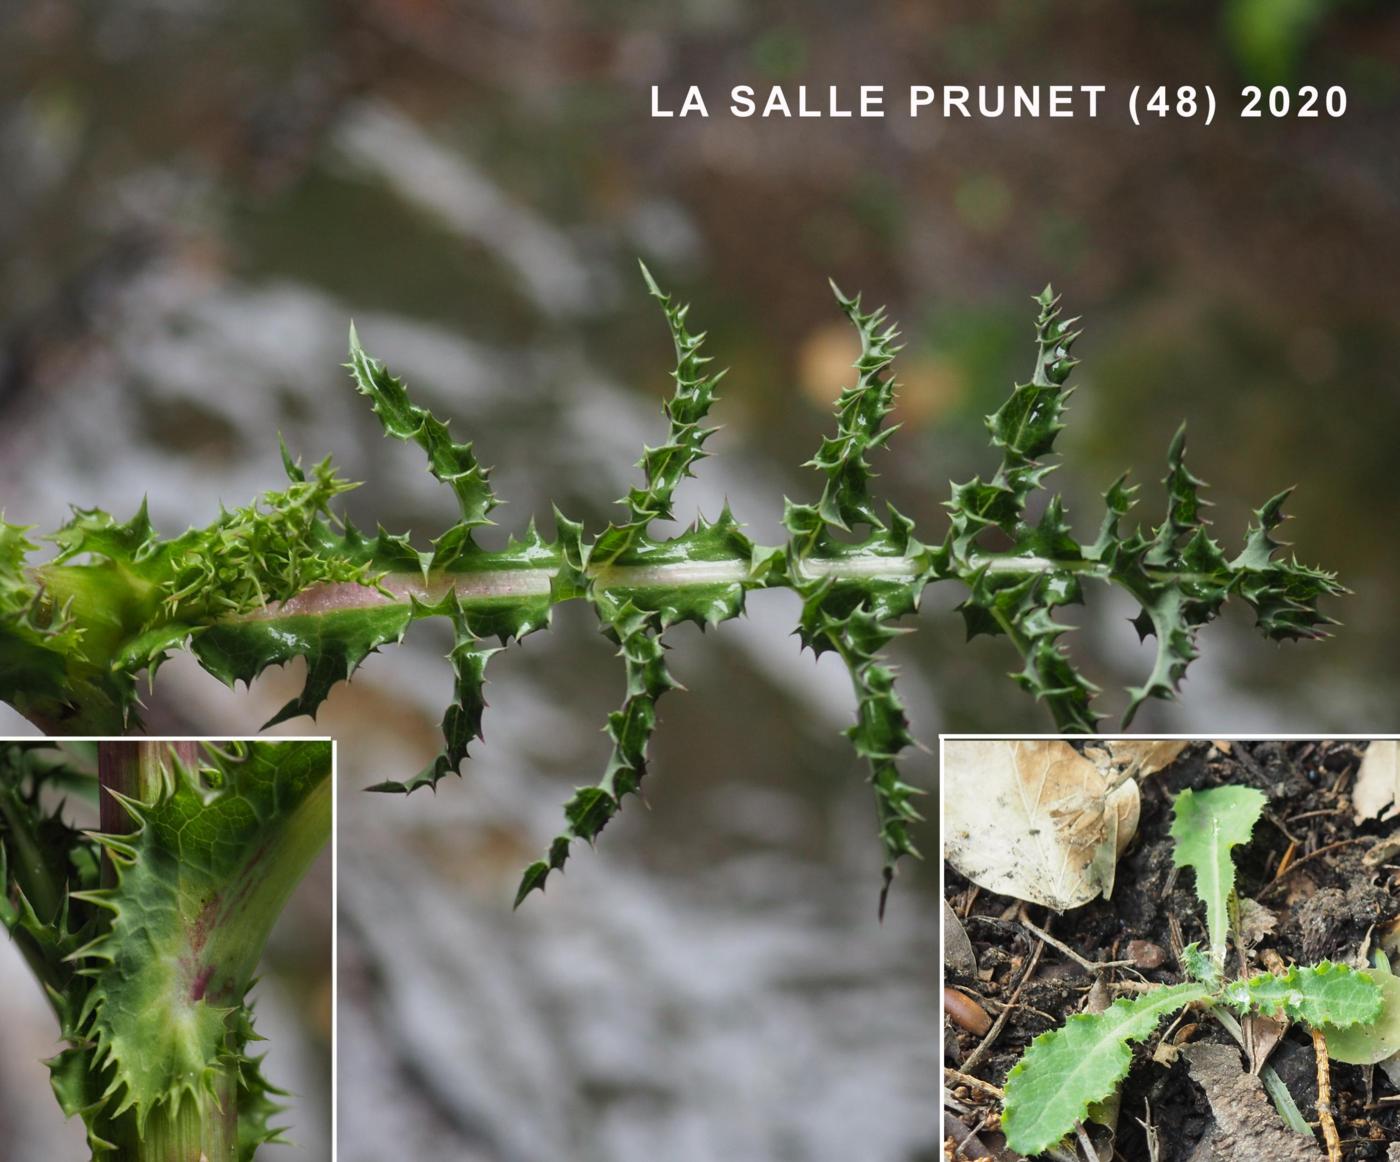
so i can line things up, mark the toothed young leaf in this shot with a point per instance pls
(1068, 1069)
(1206, 827)
(1316, 995)
(1370, 1042)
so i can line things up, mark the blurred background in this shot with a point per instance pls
(200, 195)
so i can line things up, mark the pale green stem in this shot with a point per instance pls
(524, 583)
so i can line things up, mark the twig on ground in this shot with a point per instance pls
(958, 1077)
(976, 1057)
(1086, 965)
(1297, 863)
(1324, 1098)
(1149, 1129)
(1316, 814)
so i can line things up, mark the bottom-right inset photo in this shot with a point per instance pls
(1171, 950)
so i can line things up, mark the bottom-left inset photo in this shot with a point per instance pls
(166, 991)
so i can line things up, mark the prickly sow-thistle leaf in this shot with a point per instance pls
(1206, 827)
(1068, 1069)
(284, 579)
(845, 612)
(1005, 599)
(623, 574)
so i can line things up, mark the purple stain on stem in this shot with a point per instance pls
(201, 982)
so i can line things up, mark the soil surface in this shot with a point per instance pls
(1326, 904)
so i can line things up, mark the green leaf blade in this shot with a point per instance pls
(1068, 1069)
(452, 463)
(1370, 1042)
(1206, 827)
(1320, 995)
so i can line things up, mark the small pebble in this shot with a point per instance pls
(1145, 954)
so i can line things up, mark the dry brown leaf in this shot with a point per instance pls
(1256, 922)
(1035, 819)
(1377, 791)
(1138, 758)
(957, 948)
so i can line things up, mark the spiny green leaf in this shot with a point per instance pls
(1068, 1069)
(1024, 428)
(454, 464)
(622, 573)
(638, 635)
(669, 463)
(284, 578)
(117, 597)
(461, 725)
(1017, 602)
(1206, 827)
(198, 886)
(147, 973)
(861, 411)
(334, 643)
(847, 609)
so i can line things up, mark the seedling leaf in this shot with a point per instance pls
(1370, 1042)
(1317, 995)
(1068, 1069)
(1206, 826)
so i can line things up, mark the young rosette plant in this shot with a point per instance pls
(146, 933)
(1066, 1072)
(284, 578)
